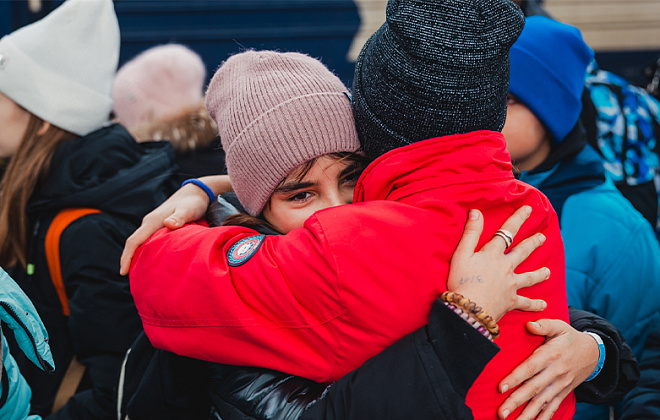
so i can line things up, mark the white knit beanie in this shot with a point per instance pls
(276, 111)
(61, 67)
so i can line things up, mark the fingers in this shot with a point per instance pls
(541, 391)
(132, 243)
(519, 397)
(526, 280)
(473, 228)
(524, 371)
(531, 278)
(524, 249)
(530, 305)
(151, 223)
(549, 410)
(549, 327)
(176, 220)
(512, 225)
(538, 360)
(541, 406)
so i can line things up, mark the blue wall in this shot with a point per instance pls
(219, 28)
(216, 29)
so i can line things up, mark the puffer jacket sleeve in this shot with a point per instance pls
(201, 298)
(643, 402)
(620, 372)
(19, 314)
(424, 375)
(103, 320)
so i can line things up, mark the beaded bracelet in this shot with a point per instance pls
(203, 186)
(472, 309)
(470, 320)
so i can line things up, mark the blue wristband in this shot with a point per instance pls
(201, 185)
(601, 356)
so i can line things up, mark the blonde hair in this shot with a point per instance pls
(28, 168)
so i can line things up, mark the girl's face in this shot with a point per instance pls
(329, 182)
(13, 124)
(527, 140)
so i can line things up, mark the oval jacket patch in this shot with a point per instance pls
(243, 250)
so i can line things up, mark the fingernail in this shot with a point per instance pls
(528, 210)
(535, 324)
(505, 388)
(473, 215)
(542, 237)
(546, 270)
(505, 413)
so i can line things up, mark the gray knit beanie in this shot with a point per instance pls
(434, 68)
(276, 111)
(61, 67)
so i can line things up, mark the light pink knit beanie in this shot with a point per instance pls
(158, 83)
(276, 111)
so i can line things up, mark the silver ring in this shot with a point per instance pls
(506, 235)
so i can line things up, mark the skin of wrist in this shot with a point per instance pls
(219, 184)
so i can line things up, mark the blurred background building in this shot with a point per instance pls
(624, 33)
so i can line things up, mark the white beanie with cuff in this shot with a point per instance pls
(61, 67)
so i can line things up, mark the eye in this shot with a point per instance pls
(511, 100)
(350, 180)
(352, 177)
(300, 196)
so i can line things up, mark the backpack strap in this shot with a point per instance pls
(52, 245)
(69, 385)
(62, 220)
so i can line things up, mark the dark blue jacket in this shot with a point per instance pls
(109, 171)
(643, 402)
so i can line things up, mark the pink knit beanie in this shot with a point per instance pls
(276, 111)
(158, 83)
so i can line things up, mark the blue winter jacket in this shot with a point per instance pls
(17, 311)
(612, 255)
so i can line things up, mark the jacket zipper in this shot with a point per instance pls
(10, 310)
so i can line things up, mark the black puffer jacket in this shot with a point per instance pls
(426, 374)
(106, 170)
(643, 402)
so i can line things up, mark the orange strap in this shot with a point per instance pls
(69, 385)
(52, 243)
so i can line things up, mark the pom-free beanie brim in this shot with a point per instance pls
(61, 67)
(276, 111)
(250, 157)
(22, 80)
(434, 68)
(548, 66)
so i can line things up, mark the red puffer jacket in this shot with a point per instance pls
(322, 299)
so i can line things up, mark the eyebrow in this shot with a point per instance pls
(293, 186)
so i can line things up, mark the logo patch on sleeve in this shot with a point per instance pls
(244, 249)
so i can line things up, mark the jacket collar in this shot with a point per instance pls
(435, 163)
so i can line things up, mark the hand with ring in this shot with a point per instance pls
(497, 285)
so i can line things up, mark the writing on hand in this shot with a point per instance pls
(471, 279)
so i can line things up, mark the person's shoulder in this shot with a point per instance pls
(603, 201)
